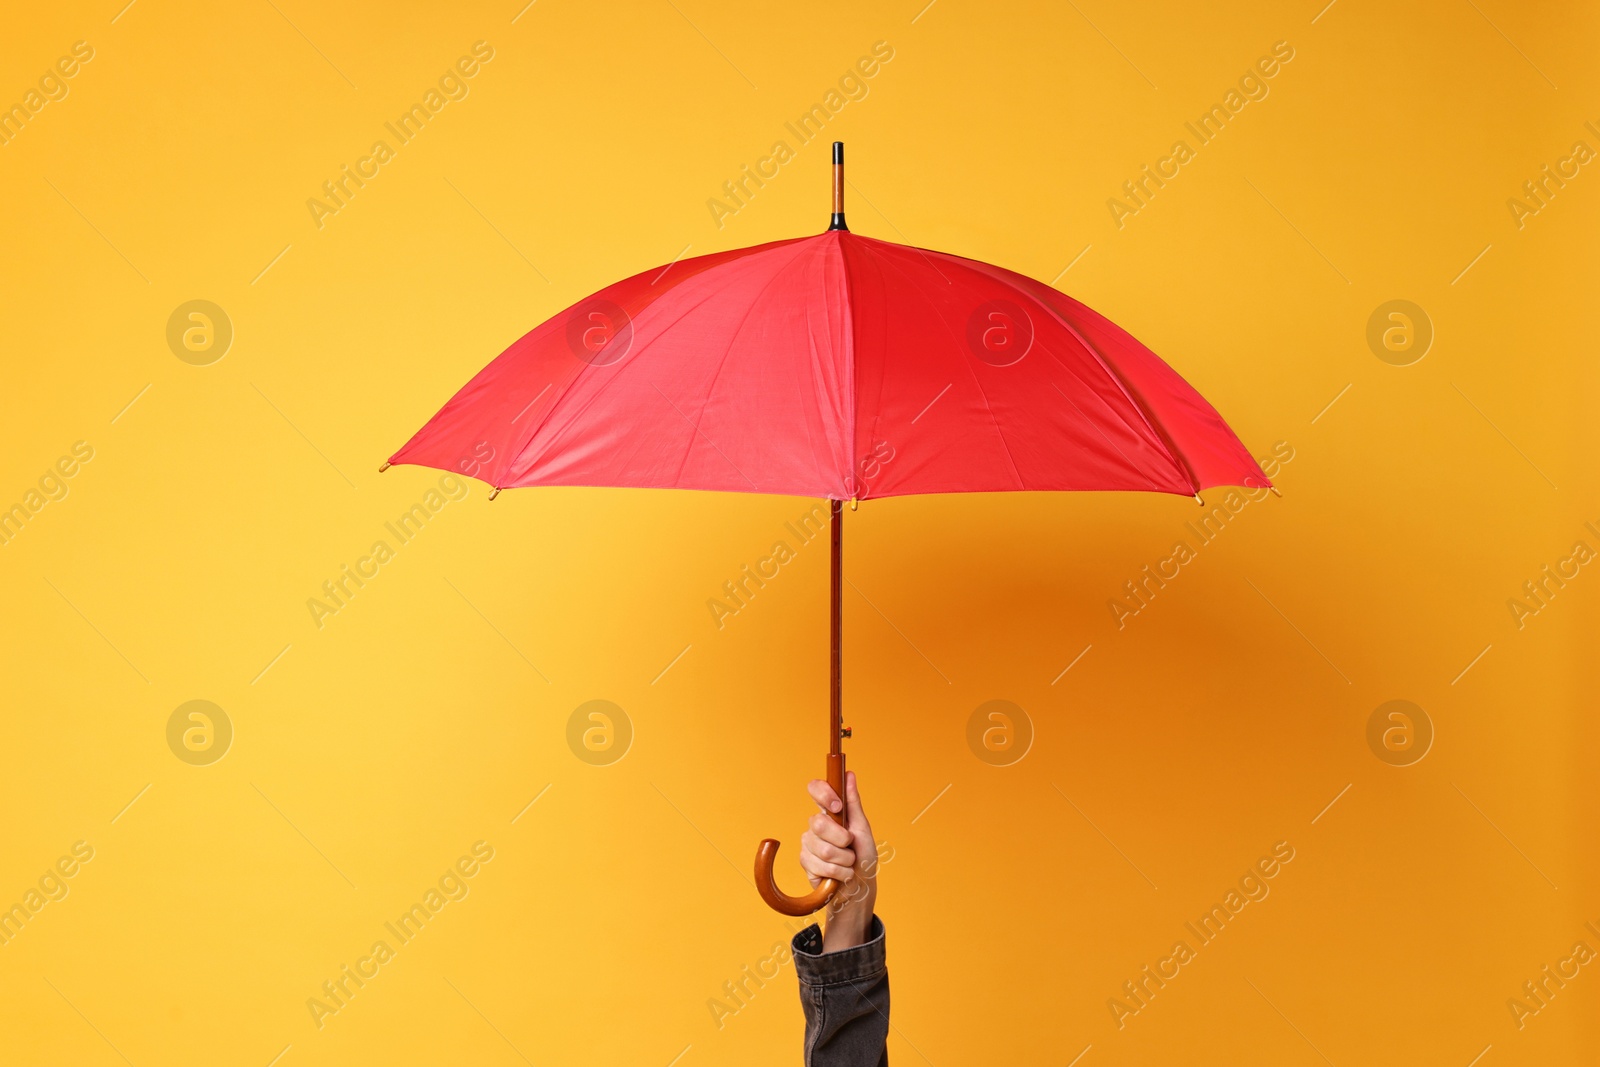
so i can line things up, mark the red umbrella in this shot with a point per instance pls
(833, 366)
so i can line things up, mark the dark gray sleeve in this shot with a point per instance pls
(845, 995)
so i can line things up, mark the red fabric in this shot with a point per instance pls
(833, 366)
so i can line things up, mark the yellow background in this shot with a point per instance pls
(370, 753)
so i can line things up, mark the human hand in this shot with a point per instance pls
(849, 855)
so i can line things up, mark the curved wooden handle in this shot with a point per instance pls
(767, 854)
(777, 899)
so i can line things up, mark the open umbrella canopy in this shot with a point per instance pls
(801, 367)
(832, 366)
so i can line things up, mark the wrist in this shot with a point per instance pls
(848, 923)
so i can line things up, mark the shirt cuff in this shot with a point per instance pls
(855, 964)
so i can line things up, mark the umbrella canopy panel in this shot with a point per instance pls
(833, 366)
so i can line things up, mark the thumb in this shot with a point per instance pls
(852, 801)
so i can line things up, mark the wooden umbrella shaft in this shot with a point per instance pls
(767, 851)
(836, 654)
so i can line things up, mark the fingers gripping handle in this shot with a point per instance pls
(767, 854)
(777, 899)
